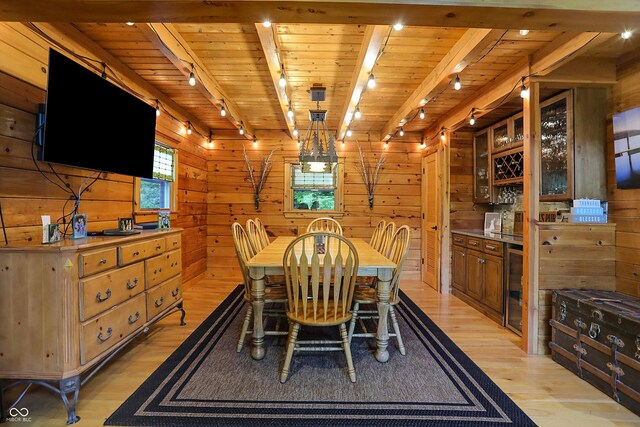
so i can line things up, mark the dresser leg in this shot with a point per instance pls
(67, 386)
(181, 308)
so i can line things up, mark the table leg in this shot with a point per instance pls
(257, 301)
(383, 293)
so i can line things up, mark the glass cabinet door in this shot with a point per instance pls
(500, 136)
(481, 168)
(518, 129)
(555, 165)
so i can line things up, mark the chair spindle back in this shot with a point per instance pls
(324, 225)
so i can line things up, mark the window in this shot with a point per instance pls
(309, 193)
(160, 192)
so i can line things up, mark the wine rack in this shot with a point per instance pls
(508, 167)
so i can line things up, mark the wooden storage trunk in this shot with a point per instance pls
(596, 334)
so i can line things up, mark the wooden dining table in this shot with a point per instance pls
(269, 261)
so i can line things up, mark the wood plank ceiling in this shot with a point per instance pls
(325, 54)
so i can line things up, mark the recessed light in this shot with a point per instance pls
(398, 26)
(266, 24)
(524, 32)
(626, 34)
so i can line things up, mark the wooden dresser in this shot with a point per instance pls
(68, 307)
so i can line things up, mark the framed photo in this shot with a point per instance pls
(125, 224)
(55, 235)
(492, 222)
(79, 223)
(164, 220)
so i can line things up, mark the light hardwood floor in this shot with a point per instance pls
(549, 394)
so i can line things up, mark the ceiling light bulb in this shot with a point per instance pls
(295, 132)
(626, 34)
(442, 135)
(343, 144)
(357, 114)
(157, 109)
(398, 26)
(192, 78)
(283, 80)
(524, 91)
(266, 24)
(423, 145)
(189, 131)
(241, 130)
(290, 112)
(386, 145)
(349, 133)
(130, 23)
(255, 143)
(422, 114)
(371, 83)
(472, 120)
(401, 132)
(457, 85)
(223, 111)
(524, 32)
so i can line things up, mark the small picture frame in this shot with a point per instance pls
(55, 235)
(164, 220)
(79, 224)
(492, 222)
(125, 224)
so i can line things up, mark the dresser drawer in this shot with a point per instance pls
(492, 247)
(111, 327)
(162, 267)
(97, 261)
(101, 292)
(173, 242)
(459, 239)
(163, 296)
(474, 243)
(133, 252)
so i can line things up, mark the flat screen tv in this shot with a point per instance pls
(93, 124)
(626, 143)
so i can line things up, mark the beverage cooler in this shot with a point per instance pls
(513, 289)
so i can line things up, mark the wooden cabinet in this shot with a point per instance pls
(478, 274)
(481, 168)
(75, 303)
(556, 148)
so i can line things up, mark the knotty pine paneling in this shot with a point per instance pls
(230, 197)
(624, 205)
(25, 194)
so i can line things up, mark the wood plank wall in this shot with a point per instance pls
(230, 196)
(624, 205)
(25, 194)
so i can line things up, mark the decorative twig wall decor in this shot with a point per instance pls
(370, 172)
(258, 182)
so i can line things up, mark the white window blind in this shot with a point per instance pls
(163, 163)
(311, 180)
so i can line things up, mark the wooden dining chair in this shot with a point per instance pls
(374, 242)
(275, 296)
(386, 237)
(264, 236)
(257, 234)
(398, 250)
(320, 273)
(324, 224)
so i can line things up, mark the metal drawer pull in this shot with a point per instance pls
(490, 247)
(175, 293)
(597, 314)
(463, 254)
(158, 247)
(618, 370)
(136, 253)
(160, 270)
(158, 304)
(132, 319)
(615, 340)
(99, 296)
(563, 311)
(175, 243)
(473, 243)
(580, 324)
(135, 283)
(594, 330)
(103, 339)
(103, 261)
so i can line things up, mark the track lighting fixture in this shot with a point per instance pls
(442, 135)
(255, 143)
(192, 77)
(349, 132)
(386, 145)
(422, 114)
(626, 34)
(472, 120)
(241, 129)
(223, 111)
(189, 131)
(290, 112)
(266, 24)
(210, 139)
(357, 114)
(283, 80)
(423, 144)
(457, 85)
(398, 26)
(295, 131)
(371, 83)
(524, 32)
(524, 92)
(401, 132)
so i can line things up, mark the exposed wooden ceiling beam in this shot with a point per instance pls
(170, 42)
(273, 58)
(565, 15)
(371, 43)
(466, 50)
(506, 84)
(74, 39)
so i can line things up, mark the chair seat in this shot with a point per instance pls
(330, 312)
(367, 295)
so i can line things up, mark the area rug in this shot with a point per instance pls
(206, 383)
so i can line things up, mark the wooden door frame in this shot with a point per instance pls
(443, 246)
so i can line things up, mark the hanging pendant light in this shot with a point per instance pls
(317, 146)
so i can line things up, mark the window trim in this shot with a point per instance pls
(289, 212)
(173, 189)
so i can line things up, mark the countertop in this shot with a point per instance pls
(499, 237)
